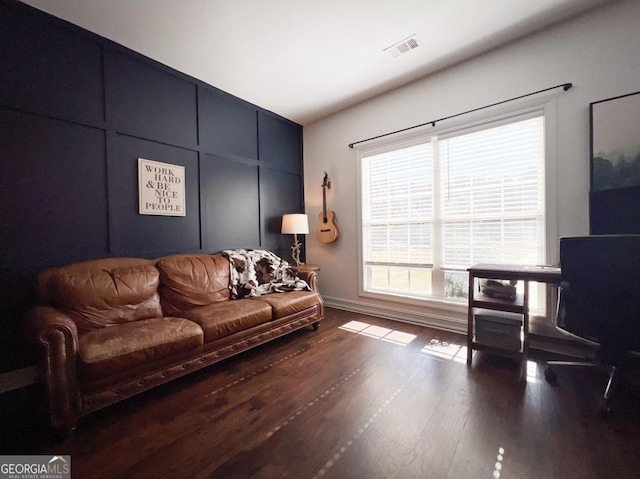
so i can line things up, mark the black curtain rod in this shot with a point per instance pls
(565, 86)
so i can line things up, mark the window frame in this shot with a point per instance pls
(546, 105)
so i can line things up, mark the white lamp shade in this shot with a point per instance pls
(295, 224)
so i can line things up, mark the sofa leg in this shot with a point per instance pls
(316, 325)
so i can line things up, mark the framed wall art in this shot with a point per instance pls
(615, 142)
(161, 188)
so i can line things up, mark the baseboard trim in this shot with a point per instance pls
(398, 314)
(19, 378)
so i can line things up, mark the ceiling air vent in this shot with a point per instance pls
(404, 46)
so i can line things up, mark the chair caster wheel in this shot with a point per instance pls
(550, 375)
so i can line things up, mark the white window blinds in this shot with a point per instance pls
(432, 209)
(492, 195)
(397, 218)
(399, 209)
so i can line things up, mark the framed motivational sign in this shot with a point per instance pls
(161, 188)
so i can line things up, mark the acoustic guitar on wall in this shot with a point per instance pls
(328, 230)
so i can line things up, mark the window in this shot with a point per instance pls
(433, 206)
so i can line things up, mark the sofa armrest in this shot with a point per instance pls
(57, 335)
(311, 278)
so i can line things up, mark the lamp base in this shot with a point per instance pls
(295, 250)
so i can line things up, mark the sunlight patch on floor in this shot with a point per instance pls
(445, 350)
(533, 372)
(378, 332)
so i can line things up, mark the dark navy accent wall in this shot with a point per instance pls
(76, 113)
(150, 103)
(49, 70)
(276, 187)
(280, 143)
(227, 187)
(53, 203)
(227, 127)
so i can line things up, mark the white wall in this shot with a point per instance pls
(598, 52)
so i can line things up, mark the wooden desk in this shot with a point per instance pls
(540, 274)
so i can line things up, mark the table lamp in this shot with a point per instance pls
(295, 224)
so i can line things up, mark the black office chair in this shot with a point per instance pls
(600, 302)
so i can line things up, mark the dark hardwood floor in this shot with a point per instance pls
(361, 402)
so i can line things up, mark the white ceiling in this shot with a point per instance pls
(305, 59)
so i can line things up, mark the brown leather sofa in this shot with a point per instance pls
(111, 328)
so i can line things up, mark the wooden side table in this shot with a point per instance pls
(305, 268)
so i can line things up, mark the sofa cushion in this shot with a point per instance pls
(98, 294)
(222, 319)
(114, 349)
(189, 281)
(284, 304)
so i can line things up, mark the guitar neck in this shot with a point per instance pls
(324, 204)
